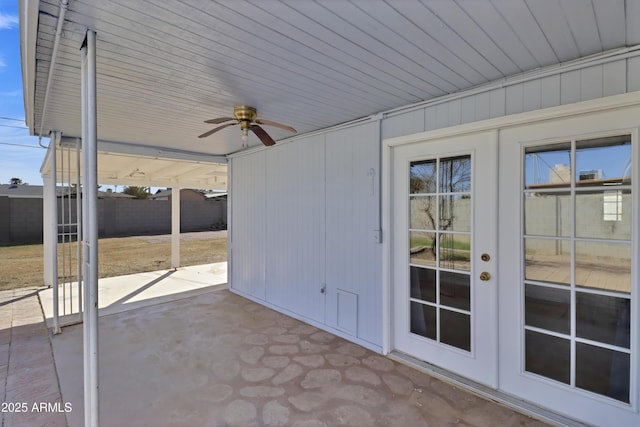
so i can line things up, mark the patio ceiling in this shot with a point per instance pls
(128, 164)
(164, 67)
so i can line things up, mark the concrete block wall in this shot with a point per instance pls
(24, 220)
(5, 225)
(550, 215)
(21, 218)
(137, 216)
(201, 215)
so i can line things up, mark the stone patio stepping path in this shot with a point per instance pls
(221, 360)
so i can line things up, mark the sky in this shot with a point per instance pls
(20, 154)
(613, 161)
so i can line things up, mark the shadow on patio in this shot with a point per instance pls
(214, 358)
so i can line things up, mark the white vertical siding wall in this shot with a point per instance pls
(354, 256)
(295, 227)
(305, 213)
(248, 235)
(304, 218)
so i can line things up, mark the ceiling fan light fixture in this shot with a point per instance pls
(245, 137)
(247, 118)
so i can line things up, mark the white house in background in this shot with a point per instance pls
(418, 212)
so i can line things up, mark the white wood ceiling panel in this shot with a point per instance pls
(199, 59)
(448, 32)
(327, 58)
(288, 48)
(169, 169)
(612, 25)
(165, 67)
(488, 19)
(352, 42)
(446, 43)
(552, 21)
(123, 169)
(124, 166)
(480, 47)
(387, 45)
(522, 22)
(410, 41)
(423, 30)
(430, 51)
(632, 12)
(581, 18)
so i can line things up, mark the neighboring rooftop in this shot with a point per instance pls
(21, 191)
(165, 194)
(26, 191)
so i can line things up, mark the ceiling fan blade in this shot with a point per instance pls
(219, 120)
(262, 135)
(204, 135)
(276, 124)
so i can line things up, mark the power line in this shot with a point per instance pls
(551, 169)
(11, 118)
(15, 127)
(21, 145)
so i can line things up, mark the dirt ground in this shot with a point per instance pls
(22, 266)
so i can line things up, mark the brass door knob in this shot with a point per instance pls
(484, 276)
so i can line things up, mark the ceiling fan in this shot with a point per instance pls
(247, 118)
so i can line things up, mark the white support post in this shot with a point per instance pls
(49, 223)
(85, 294)
(50, 235)
(79, 219)
(47, 241)
(90, 232)
(175, 227)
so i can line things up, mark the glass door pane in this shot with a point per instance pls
(439, 250)
(577, 264)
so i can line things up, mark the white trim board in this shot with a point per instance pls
(530, 117)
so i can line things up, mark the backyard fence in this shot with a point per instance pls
(21, 218)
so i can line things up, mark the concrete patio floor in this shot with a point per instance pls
(212, 358)
(27, 372)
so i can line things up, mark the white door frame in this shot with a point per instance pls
(619, 112)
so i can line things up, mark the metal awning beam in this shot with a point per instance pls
(131, 149)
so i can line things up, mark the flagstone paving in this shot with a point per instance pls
(217, 359)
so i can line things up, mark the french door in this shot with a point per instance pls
(444, 213)
(559, 229)
(568, 244)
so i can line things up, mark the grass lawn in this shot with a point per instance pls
(427, 242)
(22, 266)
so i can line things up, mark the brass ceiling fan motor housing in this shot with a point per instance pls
(245, 115)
